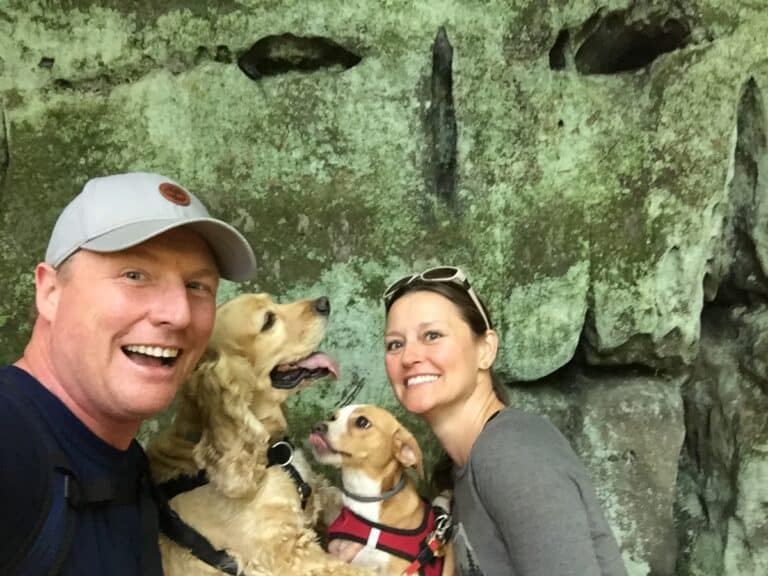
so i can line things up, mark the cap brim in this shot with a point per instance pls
(233, 254)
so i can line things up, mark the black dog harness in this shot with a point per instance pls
(172, 525)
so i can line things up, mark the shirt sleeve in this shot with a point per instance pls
(538, 512)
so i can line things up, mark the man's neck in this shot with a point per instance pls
(37, 363)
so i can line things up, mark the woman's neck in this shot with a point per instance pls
(458, 426)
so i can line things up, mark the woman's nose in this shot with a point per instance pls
(411, 353)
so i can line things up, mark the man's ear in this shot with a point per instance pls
(47, 290)
(489, 346)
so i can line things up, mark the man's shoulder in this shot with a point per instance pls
(25, 481)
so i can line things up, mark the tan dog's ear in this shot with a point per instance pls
(233, 444)
(407, 451)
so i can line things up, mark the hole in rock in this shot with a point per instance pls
(614, 45)
(283, 53)
(557, 53)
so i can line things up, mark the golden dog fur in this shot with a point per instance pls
(228, 414)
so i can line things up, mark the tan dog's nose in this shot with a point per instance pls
(322, 306)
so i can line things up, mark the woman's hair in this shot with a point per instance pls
(440, 478)
(453, 292)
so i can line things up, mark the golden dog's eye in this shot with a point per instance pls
(269, 321)
(362, 422)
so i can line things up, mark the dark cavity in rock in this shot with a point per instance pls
(278, 54)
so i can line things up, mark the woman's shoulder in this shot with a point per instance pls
(512, 422)
(521, 436)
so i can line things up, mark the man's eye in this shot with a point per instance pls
(133, 275)
(362, 422)
(199, 286)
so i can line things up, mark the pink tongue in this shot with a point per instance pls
(318, 443)
(320, 360)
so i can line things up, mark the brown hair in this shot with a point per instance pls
(440, 477)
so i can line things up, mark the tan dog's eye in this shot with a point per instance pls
(362, 422)
(269, 321)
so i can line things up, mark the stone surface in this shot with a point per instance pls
(628, 429)
(724, 495)
(609, 187)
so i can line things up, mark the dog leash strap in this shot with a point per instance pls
(427, 555)
(281, 454)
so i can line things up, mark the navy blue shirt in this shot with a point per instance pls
(108, 537)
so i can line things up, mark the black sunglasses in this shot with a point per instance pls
(445, 274)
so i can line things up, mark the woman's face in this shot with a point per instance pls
(432, 356)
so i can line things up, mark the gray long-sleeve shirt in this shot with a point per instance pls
(525, 506)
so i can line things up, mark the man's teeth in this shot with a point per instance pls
(421, 379)
(156, 351)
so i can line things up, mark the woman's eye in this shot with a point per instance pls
(432, 335)
(362, 422)
(392, 346)
(269, 321)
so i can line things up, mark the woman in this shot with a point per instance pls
(523, 502)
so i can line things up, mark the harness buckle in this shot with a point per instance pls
(443, 528)
(280, 453)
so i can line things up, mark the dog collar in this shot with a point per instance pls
(383, 496)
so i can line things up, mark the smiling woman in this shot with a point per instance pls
(522, 501)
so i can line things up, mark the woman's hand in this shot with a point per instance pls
(344, 549)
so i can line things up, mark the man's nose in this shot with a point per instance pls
(171, 305)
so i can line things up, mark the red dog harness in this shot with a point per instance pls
(407, 544)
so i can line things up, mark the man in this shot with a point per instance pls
(126, 301)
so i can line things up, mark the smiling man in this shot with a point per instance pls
(126, 301)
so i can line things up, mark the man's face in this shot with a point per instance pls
(127, 327)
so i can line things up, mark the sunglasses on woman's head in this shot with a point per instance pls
(444, 274)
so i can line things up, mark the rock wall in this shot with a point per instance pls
(599, 168)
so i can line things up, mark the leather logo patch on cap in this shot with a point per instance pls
(175, 194)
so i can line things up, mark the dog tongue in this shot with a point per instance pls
(320, 360)
(318, 443)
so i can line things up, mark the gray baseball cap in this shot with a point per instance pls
(116, 212)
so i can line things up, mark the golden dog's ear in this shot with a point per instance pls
(407, 451)
(233, 444)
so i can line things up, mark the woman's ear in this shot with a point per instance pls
(489, 346)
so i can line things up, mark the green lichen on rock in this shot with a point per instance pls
(591, 211)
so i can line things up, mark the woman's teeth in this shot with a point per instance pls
(421, 379)
(156, 351)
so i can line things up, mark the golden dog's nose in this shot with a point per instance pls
(322, 306)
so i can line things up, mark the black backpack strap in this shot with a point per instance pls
(60, 462)
(151, 563)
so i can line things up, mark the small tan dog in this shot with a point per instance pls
(383, 510)
(216, 464)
